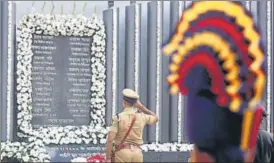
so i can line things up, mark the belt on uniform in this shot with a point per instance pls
(125, 146)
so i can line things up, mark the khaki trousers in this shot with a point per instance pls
(134, 154)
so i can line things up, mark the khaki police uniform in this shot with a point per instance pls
(120, 124)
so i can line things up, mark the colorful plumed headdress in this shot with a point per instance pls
(217, 54)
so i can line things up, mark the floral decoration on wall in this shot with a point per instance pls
(24, 152)
(61, 25)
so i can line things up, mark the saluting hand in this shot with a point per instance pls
(144, 109)
(139, 104)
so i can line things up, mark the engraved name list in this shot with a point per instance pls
(61, 81)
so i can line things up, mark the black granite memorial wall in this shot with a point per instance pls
(61, 81)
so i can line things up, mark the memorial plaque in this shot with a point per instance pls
(61, 81)
(66, 153)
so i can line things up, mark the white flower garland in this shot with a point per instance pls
(62, 25)
(156, 147)
(136, 46)
(248, 5)
(180, 97)
(79, 159)
(114, 59)
(167, 147)
(187, 3)
(158, 64)
(269, 61)
(9, 83)
(33, 152)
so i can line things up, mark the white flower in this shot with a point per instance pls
(79, 159)
(26, 158)
(78, 141)
(33, 152)
(103, 141)
(9, 154)
(78, 132)
(3, 154)
(94, 141)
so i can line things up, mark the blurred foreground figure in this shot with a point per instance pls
(217, 61)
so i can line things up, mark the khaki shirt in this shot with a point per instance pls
(125, 118)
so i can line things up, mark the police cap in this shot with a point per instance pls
(130, 96)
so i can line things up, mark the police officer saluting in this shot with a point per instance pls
(265, 146)
(126, 132)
